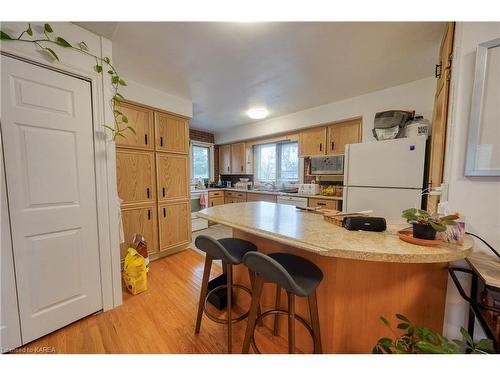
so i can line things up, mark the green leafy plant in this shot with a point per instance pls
(416, 215)
(424, 340)
(48, 38)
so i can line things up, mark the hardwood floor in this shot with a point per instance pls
(160, 320)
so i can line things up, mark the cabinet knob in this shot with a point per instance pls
(164, 212)
(321, 147)
(145, 139)
(149, 214)
(161, 141)
(163, 192)
(333, 145)
(147, 193)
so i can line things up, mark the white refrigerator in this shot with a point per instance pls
(384, 176)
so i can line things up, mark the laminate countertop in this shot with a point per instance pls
(267, 192)
(309, 231)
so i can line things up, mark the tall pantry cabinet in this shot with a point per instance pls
(152, 170)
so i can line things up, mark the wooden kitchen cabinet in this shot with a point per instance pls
(141, 119)
(135, 176)
(341, 134)
(312, 142)
(324, 203)
(238, 158)
(236, 194)
(174, 220)
(225, 159)
(215, 201)
(172, 133)
(140, 220)
(259, 197)
(173, 174)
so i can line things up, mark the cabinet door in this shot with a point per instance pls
(173, 171)
(141, 120)
(174, 225)
(135, 176)
(140, 220)
(216, 201)
(225, 159)
(312, 142)
(341, 134)
(238, 158)
(172, 133)
(324, 203)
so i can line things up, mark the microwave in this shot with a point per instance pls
(327, 165)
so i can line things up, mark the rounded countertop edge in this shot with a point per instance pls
(459, 254)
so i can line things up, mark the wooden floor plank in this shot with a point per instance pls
(160, 320)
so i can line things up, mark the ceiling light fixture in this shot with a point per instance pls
(257, 113)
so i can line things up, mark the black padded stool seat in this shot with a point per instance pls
(231, 252)
(237, 248)
(299, 277)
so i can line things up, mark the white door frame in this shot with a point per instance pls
(105, 174)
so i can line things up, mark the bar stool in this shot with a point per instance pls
(299, 277)
(231, 252)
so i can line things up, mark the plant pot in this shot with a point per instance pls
(424, 231)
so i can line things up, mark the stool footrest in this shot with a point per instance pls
(219, 320)
(280, 312)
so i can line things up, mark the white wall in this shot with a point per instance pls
(478, 198)
(155, 98)
(417, 95)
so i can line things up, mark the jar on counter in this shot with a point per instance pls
(339, 191)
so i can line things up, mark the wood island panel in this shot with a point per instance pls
(354, 294)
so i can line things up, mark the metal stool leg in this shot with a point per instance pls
(229, 307)
(313, 311)
(203, 292)
(291, 323)
(277, 306)
(252, 316)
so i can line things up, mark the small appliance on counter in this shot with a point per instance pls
(327, 165)
(309, 189)
(417, 127)
(390, 124)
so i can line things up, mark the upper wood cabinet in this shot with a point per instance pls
(173, 173)
(172, 133)
(225, 159)
(175, 228)
(141, 119)
(238, 158)
(140, 220)
(135, 176)
(330, 139)
(312, 142)
(341, 134)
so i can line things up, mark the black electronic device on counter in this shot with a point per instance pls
(367, 223)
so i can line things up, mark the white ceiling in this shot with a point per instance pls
(225, 68)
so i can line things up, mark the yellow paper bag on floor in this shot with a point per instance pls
(134, 272)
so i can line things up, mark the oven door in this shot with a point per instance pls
(195, 204)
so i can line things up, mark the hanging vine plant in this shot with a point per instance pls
(103, 64)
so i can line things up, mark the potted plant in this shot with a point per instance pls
(424, 340)
(426, 225)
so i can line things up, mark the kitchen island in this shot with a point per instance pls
(366, 274)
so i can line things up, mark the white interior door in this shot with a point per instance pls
(10, 330)
(48, 149)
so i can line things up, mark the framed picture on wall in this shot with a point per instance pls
(483, 144)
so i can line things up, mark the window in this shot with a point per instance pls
(200, 159)
(277, 162)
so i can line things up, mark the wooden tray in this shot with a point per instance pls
(407, 236)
